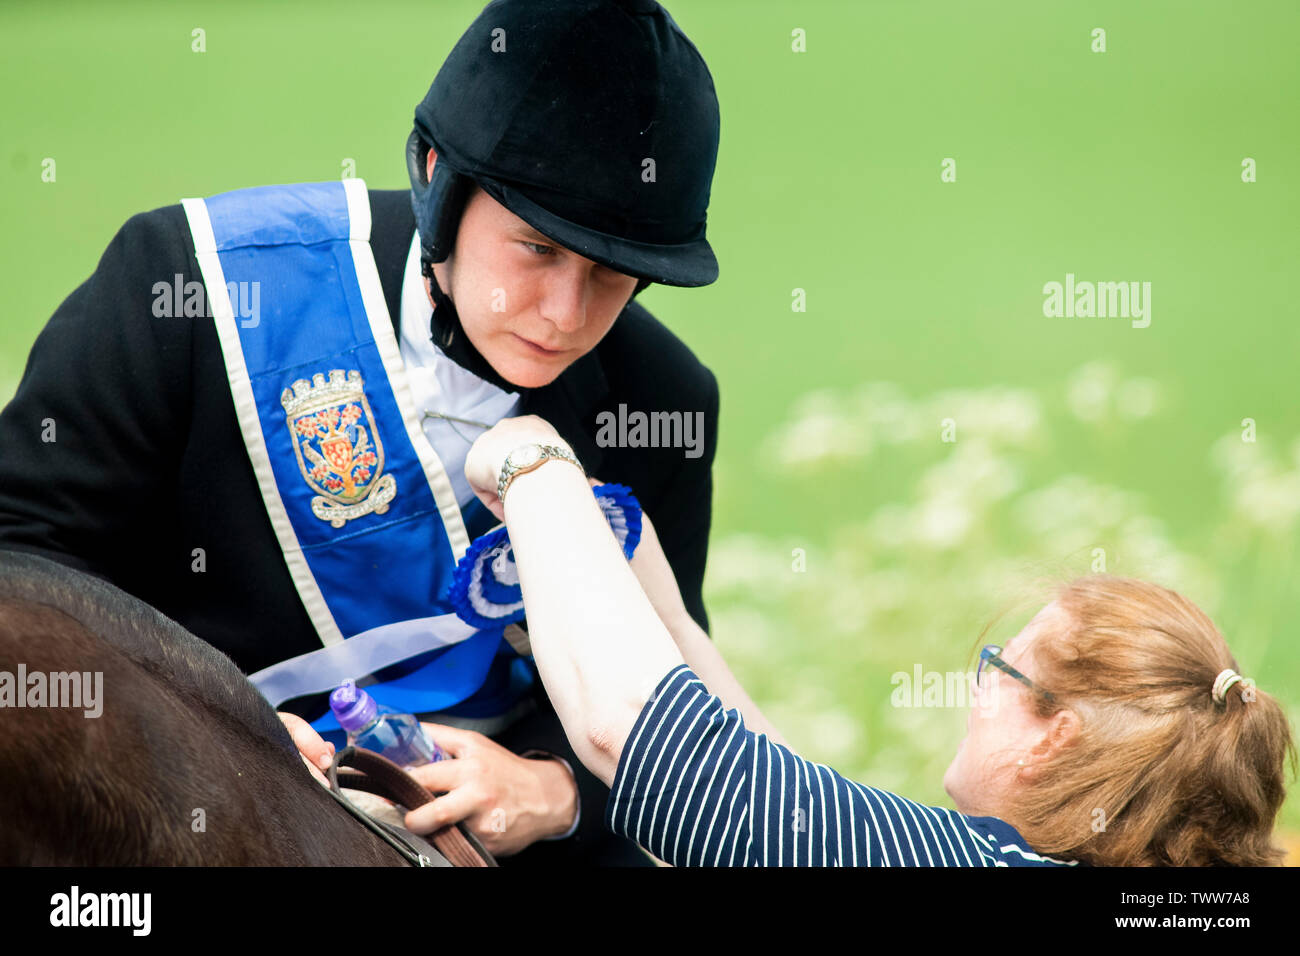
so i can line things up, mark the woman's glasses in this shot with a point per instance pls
(992, 654)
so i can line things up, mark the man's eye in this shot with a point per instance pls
(538, 249)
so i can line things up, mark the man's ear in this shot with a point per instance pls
(428, 165)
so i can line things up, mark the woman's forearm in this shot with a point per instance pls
(701, 654)
(601, 655)
(703, 657)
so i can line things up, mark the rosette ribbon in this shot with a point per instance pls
(485, 590)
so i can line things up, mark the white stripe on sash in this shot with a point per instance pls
(327, 667)
(223, 315)
(381, 328)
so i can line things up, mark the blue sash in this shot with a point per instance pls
(363, 510)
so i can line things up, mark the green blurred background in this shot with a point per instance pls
(924, 298)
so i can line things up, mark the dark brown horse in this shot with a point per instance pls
(186, 765)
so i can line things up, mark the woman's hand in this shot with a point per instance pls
(488, 454)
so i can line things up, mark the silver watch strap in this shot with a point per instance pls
(509, 472)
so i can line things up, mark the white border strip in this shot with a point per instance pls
(381, 328)
(241, 390)
(324, 669)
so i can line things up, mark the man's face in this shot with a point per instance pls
(529, 306)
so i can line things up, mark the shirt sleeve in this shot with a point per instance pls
(695, 788)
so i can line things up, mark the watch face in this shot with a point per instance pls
(524, 455)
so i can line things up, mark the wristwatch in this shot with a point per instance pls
(527, 457)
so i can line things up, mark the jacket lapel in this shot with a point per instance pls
(392, 229)
(569, 403)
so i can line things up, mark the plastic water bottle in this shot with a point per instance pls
(399, 737)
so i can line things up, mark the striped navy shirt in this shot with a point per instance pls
(695, 788)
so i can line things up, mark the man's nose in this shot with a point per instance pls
(565, 302)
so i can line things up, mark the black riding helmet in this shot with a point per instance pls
(594, 121)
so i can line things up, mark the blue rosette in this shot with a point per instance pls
(485, 590)
(623, 512)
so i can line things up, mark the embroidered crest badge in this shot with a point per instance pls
(339, 454)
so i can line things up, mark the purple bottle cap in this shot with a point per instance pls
(353, 707)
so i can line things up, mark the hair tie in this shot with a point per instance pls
(1225, 680)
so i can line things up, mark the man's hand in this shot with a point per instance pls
(505, 800)
(316, 752)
